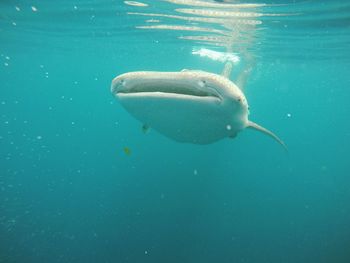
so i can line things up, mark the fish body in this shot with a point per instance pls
(187, 106)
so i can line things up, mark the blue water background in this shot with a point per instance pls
(69, 192)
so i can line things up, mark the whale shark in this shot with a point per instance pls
(189, 106)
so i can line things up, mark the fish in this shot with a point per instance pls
(189, 106)
(127, 150)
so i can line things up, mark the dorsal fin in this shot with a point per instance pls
(257, 127)
(226, 72)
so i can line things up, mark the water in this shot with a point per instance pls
(70, 193)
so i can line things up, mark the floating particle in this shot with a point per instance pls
(75, 7)
(228, 127)
(7, 58)
(39, 137)
(289, 115)
(41, 66)
(195, 172)
(146, 252)
(3, 103)
(34, 9)
(17, 8)
(14, 23)
(6, 64)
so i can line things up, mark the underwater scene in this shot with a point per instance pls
(175, 131)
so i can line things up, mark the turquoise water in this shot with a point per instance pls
(70, 193)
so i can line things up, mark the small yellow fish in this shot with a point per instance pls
(127, 150)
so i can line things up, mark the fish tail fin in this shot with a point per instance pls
(257, 127)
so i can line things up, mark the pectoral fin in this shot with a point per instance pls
(145, 128)
(257, 127)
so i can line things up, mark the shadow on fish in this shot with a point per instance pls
(188, 106)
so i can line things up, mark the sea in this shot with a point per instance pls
(82, 180)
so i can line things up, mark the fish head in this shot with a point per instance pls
(188, 106)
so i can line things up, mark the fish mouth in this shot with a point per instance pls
(159, 87)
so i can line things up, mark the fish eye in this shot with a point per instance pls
(202, 83)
